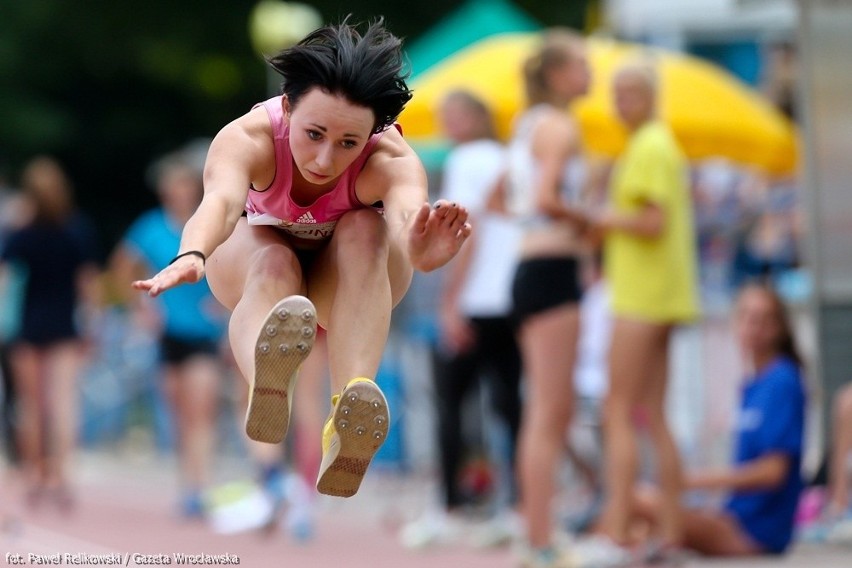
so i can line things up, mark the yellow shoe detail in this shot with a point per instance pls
(353, 433)
(328, 428)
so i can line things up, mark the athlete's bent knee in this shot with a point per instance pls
(362, 232)
(275, 262)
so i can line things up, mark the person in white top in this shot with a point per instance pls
(543, 190)
(477, 336)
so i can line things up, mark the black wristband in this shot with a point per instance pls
(197, 253)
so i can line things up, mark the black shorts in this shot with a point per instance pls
(541, 284)
(175, 351)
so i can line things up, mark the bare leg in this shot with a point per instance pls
(354, 283)
(630, 352)
(669, 469)
(716, 534)
(64, 362)
(27, 371)
(712, 533)
(248, 274)
(196, 383)
(310, 414)
(841, 451)
(548, 344)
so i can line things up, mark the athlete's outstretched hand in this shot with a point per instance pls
(437, 234)
(185, 270)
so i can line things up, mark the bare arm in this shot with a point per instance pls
(394, 176)
(428, 236)
(227, 176)
(496, 202)
(767, 472)
(456, 275)
(125, 267)
(648, 222)
(236, 156)
(456, 332)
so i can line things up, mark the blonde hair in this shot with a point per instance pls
(641, 67)
(558, 47)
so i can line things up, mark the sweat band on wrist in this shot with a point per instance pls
(197, 253)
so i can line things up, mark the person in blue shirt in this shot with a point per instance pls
(190, 321)
(764, 482)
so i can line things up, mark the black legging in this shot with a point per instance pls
(494, 356)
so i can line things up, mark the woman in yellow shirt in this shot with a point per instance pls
(649, 251)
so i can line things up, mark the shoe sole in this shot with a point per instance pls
(361, 421)
(284, 342)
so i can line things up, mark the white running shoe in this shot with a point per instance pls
(598, 551)
(550, 558)
(433, 528)
(502, 529)
(299, 520)
(840, 531)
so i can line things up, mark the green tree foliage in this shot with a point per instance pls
(106, 86)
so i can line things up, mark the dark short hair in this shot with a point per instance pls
(365, 69)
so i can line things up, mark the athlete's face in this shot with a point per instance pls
(327, 133)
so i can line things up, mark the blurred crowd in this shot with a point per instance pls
(551, 349)
(86, 360)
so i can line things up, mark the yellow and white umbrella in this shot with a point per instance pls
(712, 113)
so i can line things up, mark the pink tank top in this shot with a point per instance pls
(275, 206)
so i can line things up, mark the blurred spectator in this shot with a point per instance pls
(477, 337)
(765, 482)
(769, 244)
(651, 270)
(591, 377)
(841, 452)
(832, 509)
(11, 217)
(53, 255)
(543, 190)
(718, 189)
(780, 80)
(191, 323)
